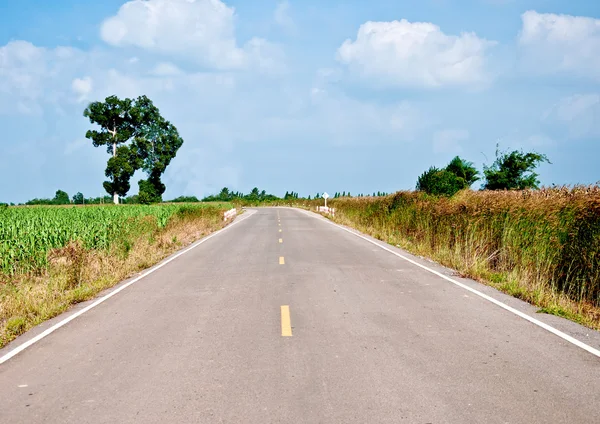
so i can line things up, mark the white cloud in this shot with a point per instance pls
(82, 87)
(282, 16)
(345, 120)
(572, 107)
(404, 53)
(561, 43)
(579, 113)
(199, 30)
(31, 75)
(449, 140)
(166, 69)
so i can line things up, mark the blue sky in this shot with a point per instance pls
(308, 96)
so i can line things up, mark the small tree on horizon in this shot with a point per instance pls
(439, 182)
(514, 170)
(463, 169)
(61, 198)
(78, 199)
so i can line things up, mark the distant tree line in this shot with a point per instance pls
(227, 195)
(513, 170)
(61, 197)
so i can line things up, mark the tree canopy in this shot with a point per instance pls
(440, 182)
(513, 170)
(457, 175)
(78, 199)
(463, 169)
(138, 137)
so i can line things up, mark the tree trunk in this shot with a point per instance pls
(115, 195)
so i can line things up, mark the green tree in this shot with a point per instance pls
(119, 170)
(150, 190)
(439, 182)
(463, 169)
(117, 126)
(224, 194)
(61, 198)
(78, 199)
(156, 143)
(185, 199)
(514, 170)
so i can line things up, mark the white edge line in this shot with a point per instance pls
(532, 320)
(70, 318)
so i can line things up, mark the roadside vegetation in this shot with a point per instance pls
(54, 257)
(539, 245)
(542, 246)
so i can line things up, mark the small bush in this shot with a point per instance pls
(440, 182)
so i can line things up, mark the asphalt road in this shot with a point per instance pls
(374, 339)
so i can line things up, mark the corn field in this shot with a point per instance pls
(28, 234)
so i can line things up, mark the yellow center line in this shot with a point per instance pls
(280, 240)
(281, 260)
(280, 230)
(286, 324)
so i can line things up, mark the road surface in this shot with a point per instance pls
(286, 318)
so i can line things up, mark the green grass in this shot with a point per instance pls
(54, 257)
(28, 234)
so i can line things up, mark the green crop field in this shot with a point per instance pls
(27, 234)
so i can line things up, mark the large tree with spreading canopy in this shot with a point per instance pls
(137, 137)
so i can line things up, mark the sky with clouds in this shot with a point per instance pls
(308, 96)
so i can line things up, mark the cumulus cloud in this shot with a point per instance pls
(579, 114)
(166, 69)
(200, 30)
(415, 53)
(561, 43)
(349, 121)
(31, 75)
(282, 16)
(82, 87)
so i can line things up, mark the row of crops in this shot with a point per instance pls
(27, 234)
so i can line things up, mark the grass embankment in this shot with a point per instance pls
(54, 257)
(540, 246)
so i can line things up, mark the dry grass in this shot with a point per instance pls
(75, 274)
(540, 246)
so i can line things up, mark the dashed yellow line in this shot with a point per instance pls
(280, 230)
(286, 323)
(280, 240)
(281, 260)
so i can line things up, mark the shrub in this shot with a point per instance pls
(440, 182)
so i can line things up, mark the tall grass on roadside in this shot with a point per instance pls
(542, 246)
(53, 257)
